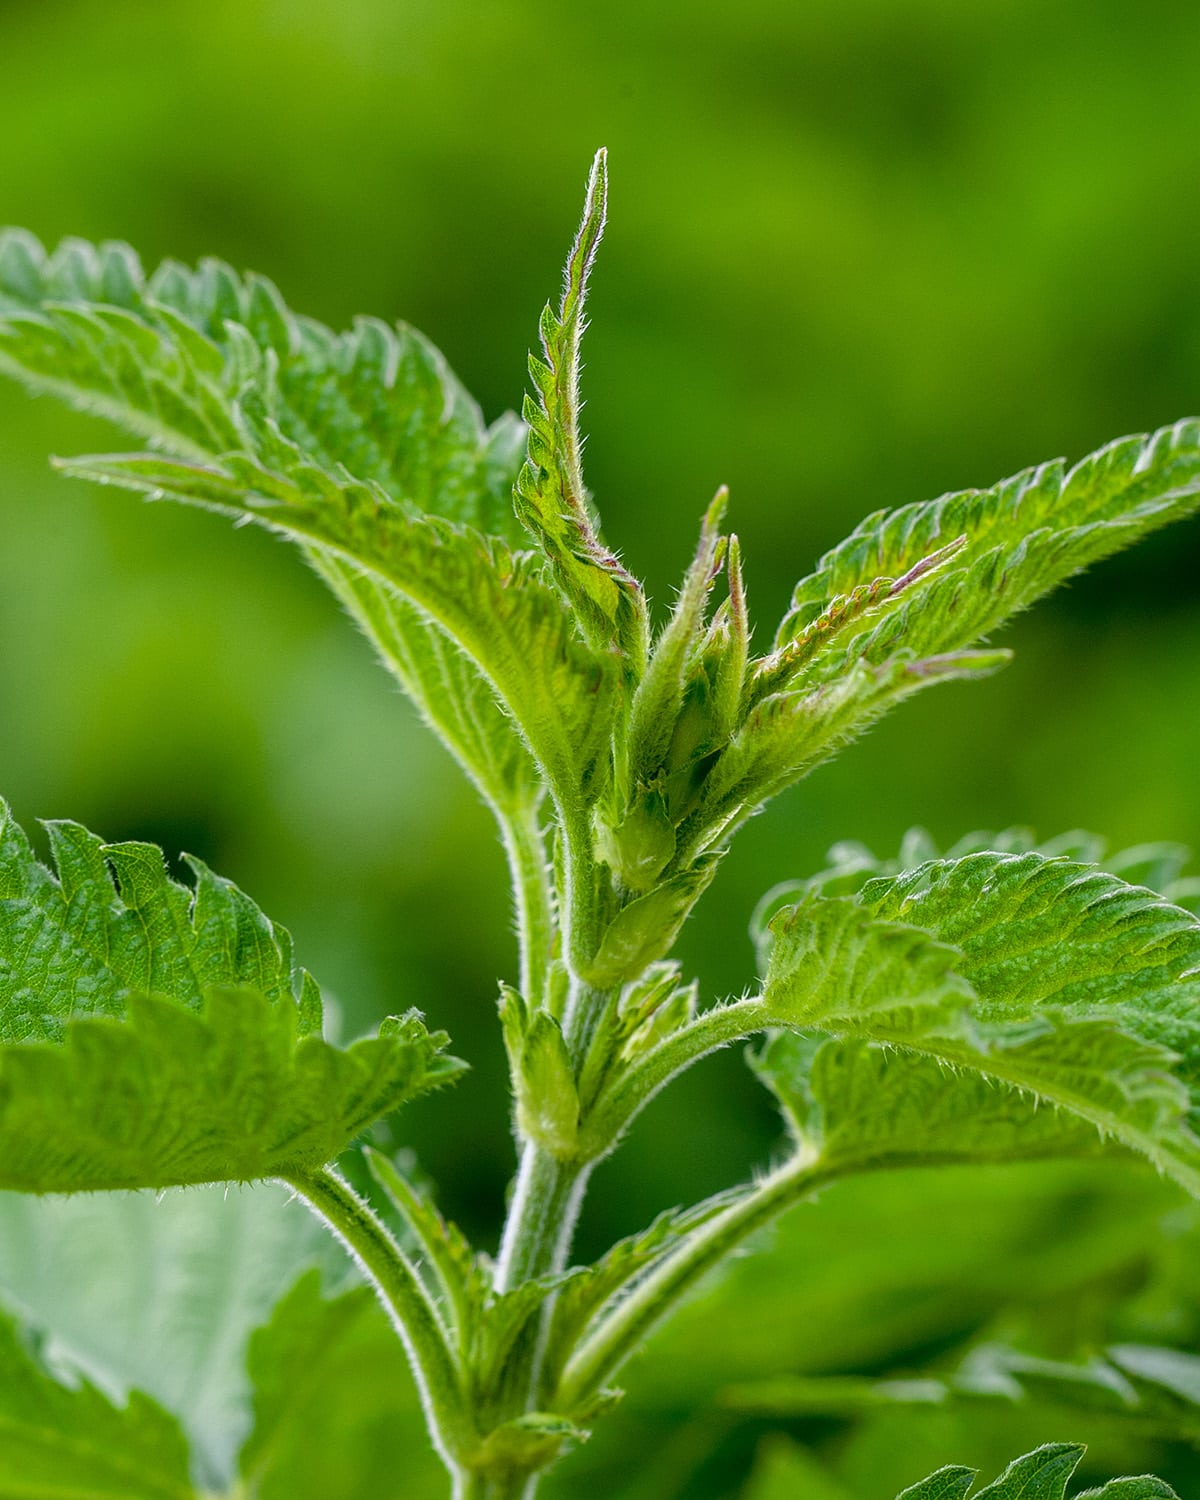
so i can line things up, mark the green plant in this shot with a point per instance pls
(991, 1004)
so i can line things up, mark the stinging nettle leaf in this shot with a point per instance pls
(152, 1035)
(1007, 546)
(551, 500)
(950, 1483)
(1025, 994)
(378, 400)
(490, 601)
(62, 1442)
(203, 364)
(895, 607)
(1041, 1475)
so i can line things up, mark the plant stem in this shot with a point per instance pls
(541, 1217)
(491, 1487)
(585, 1008)
(526, 852)
(429, 1230)
(407, 1302)
(619, 1334)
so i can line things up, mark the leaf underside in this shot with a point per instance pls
(361, 447)
(66, 1442)
(364, 449)
(159, 1293)
(153, 1035)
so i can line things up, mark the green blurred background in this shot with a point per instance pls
(860, 252)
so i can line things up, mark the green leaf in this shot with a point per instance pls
(159, 1293)
(1160, 866)
(153, 1035)
(547, 1101)
(207, 366)
(894, 608)
(1041, 1475)
(1007, 982)
(193, 359)
(672, 728)
(1142, 1487)
(484, 597)
(69, 1442)
(551, 500)
(897, 1107)
(453, 697)
(785, 734)
(335, 1408)
(646, 929)
(982, 555)
(950, 1483)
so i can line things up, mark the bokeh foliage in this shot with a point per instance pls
(860, 253)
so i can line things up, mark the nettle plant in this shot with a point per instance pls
(986, 1005)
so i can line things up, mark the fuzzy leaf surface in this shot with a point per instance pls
(1041, 1475)
(1024, 994)
(488, 600)
(152, 1035)
(895, 607)
(1015, 542)
(193, 360)
(208, 366)
(550, 498)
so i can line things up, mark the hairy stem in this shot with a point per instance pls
(585, 1009)
(537, 1241)
(434, 1246)
(407, 1303)
(541, 1217)
(582, 879)
(495, 1487)
(523, 845)
(621, 1333)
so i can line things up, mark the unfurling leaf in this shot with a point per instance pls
(894, 608)
(551, 499)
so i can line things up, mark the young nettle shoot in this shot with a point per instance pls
(988, 1004)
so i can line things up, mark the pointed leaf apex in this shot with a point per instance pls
(715, 513)
(587, 240)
